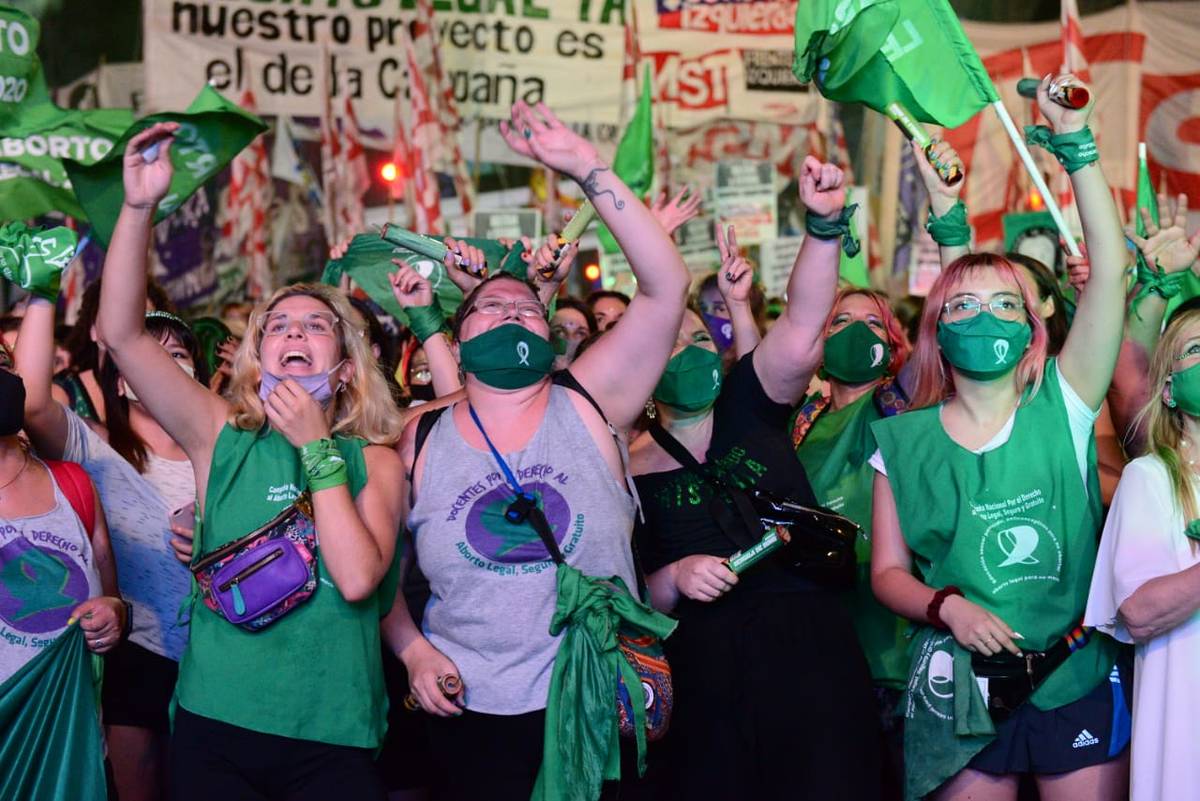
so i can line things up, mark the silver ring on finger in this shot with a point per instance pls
(728, 276)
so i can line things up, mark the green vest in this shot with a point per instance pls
(315, 674)
(834, 454)
(1016, 530)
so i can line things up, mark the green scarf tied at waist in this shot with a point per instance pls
(582, 748)
(947, 722)
(34, 260)
(50, 742)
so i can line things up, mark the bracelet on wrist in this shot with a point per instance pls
(323, 464)
(1074, 150)
(934, 611)
(950, 229)
(1156, 281)
(833, 227)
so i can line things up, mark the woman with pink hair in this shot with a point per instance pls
(989, 489)
(865, 347)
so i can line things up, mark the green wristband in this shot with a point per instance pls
(1073, 150)
(425, 321)
(1155, 281)
(824, 228)
(323, 464)
(951, 229)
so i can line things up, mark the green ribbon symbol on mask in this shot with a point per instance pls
(1000, 348)
(523, 352)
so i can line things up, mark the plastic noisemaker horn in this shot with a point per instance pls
(949, 173)
(578, 224)
(418, 243)
(1065, 94)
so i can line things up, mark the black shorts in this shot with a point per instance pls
(138, 685)
(404, 759)
(1087, 732)
(214, 760)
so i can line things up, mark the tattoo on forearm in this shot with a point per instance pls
(591, 188)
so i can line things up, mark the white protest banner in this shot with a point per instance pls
(723, 59)
(745, 196)
(119, 85)
(775, 261)
(511, 224)
(566, 53)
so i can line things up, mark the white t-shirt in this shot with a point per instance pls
(137, 508)
(1143, 539)
(1080, 417)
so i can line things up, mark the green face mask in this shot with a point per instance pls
(856, 354)
(692, 380)
(1185, 390)
(509, 356)
(984, 347)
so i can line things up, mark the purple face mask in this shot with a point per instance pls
(316, 385)
(721, 330)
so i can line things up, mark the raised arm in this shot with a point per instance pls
(414, 293)
(45, 419)
(621, 370)
(1090, 353)
(1167, 249)
(191, 414)
(735, 277)
(791, 350)
(943, 197)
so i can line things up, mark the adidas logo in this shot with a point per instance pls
(1085, 739)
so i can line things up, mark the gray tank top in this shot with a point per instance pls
(493, 584)
(46, 570)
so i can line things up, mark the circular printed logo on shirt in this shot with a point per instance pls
(933, 680)
(493, 537)
(39, 586)
(1020, 549)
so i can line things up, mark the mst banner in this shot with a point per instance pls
(566, 53)
(723, 59)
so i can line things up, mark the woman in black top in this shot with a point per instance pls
(772, 693)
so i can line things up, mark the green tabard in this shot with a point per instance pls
(315, 674)
(834, 454)
(1015, 528)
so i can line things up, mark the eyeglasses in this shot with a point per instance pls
(320, 324)
(1005, 306)
(421, 375)
(495, 307)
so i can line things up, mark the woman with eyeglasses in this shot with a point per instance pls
(1144, 590)
(772, 690)
(146, 484)
(519, 435)
(280, 692)
(985, 516)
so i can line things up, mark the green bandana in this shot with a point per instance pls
(425, 321)
(1185, 390)
(1155, 281)
(692, 380)
(1073, 150)
(211, 132)
(856, 354)
(984, 347)
(34, 260)
(509, 356)
(951, 229)
(823, 228)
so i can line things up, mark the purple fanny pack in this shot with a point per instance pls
(257, 579)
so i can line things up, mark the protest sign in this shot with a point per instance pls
(745, 195)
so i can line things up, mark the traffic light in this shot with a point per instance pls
(389, 172)
(591, 273)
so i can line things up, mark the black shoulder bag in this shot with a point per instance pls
(820, 547)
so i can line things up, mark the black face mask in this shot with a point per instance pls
(12, 403)
(422, 392)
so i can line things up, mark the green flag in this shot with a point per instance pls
(212, 131)
(1146, 199)
(634, 161)
(50, 741)
(36, 135)
(368, 262)
(877, 52)
(853, 269)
